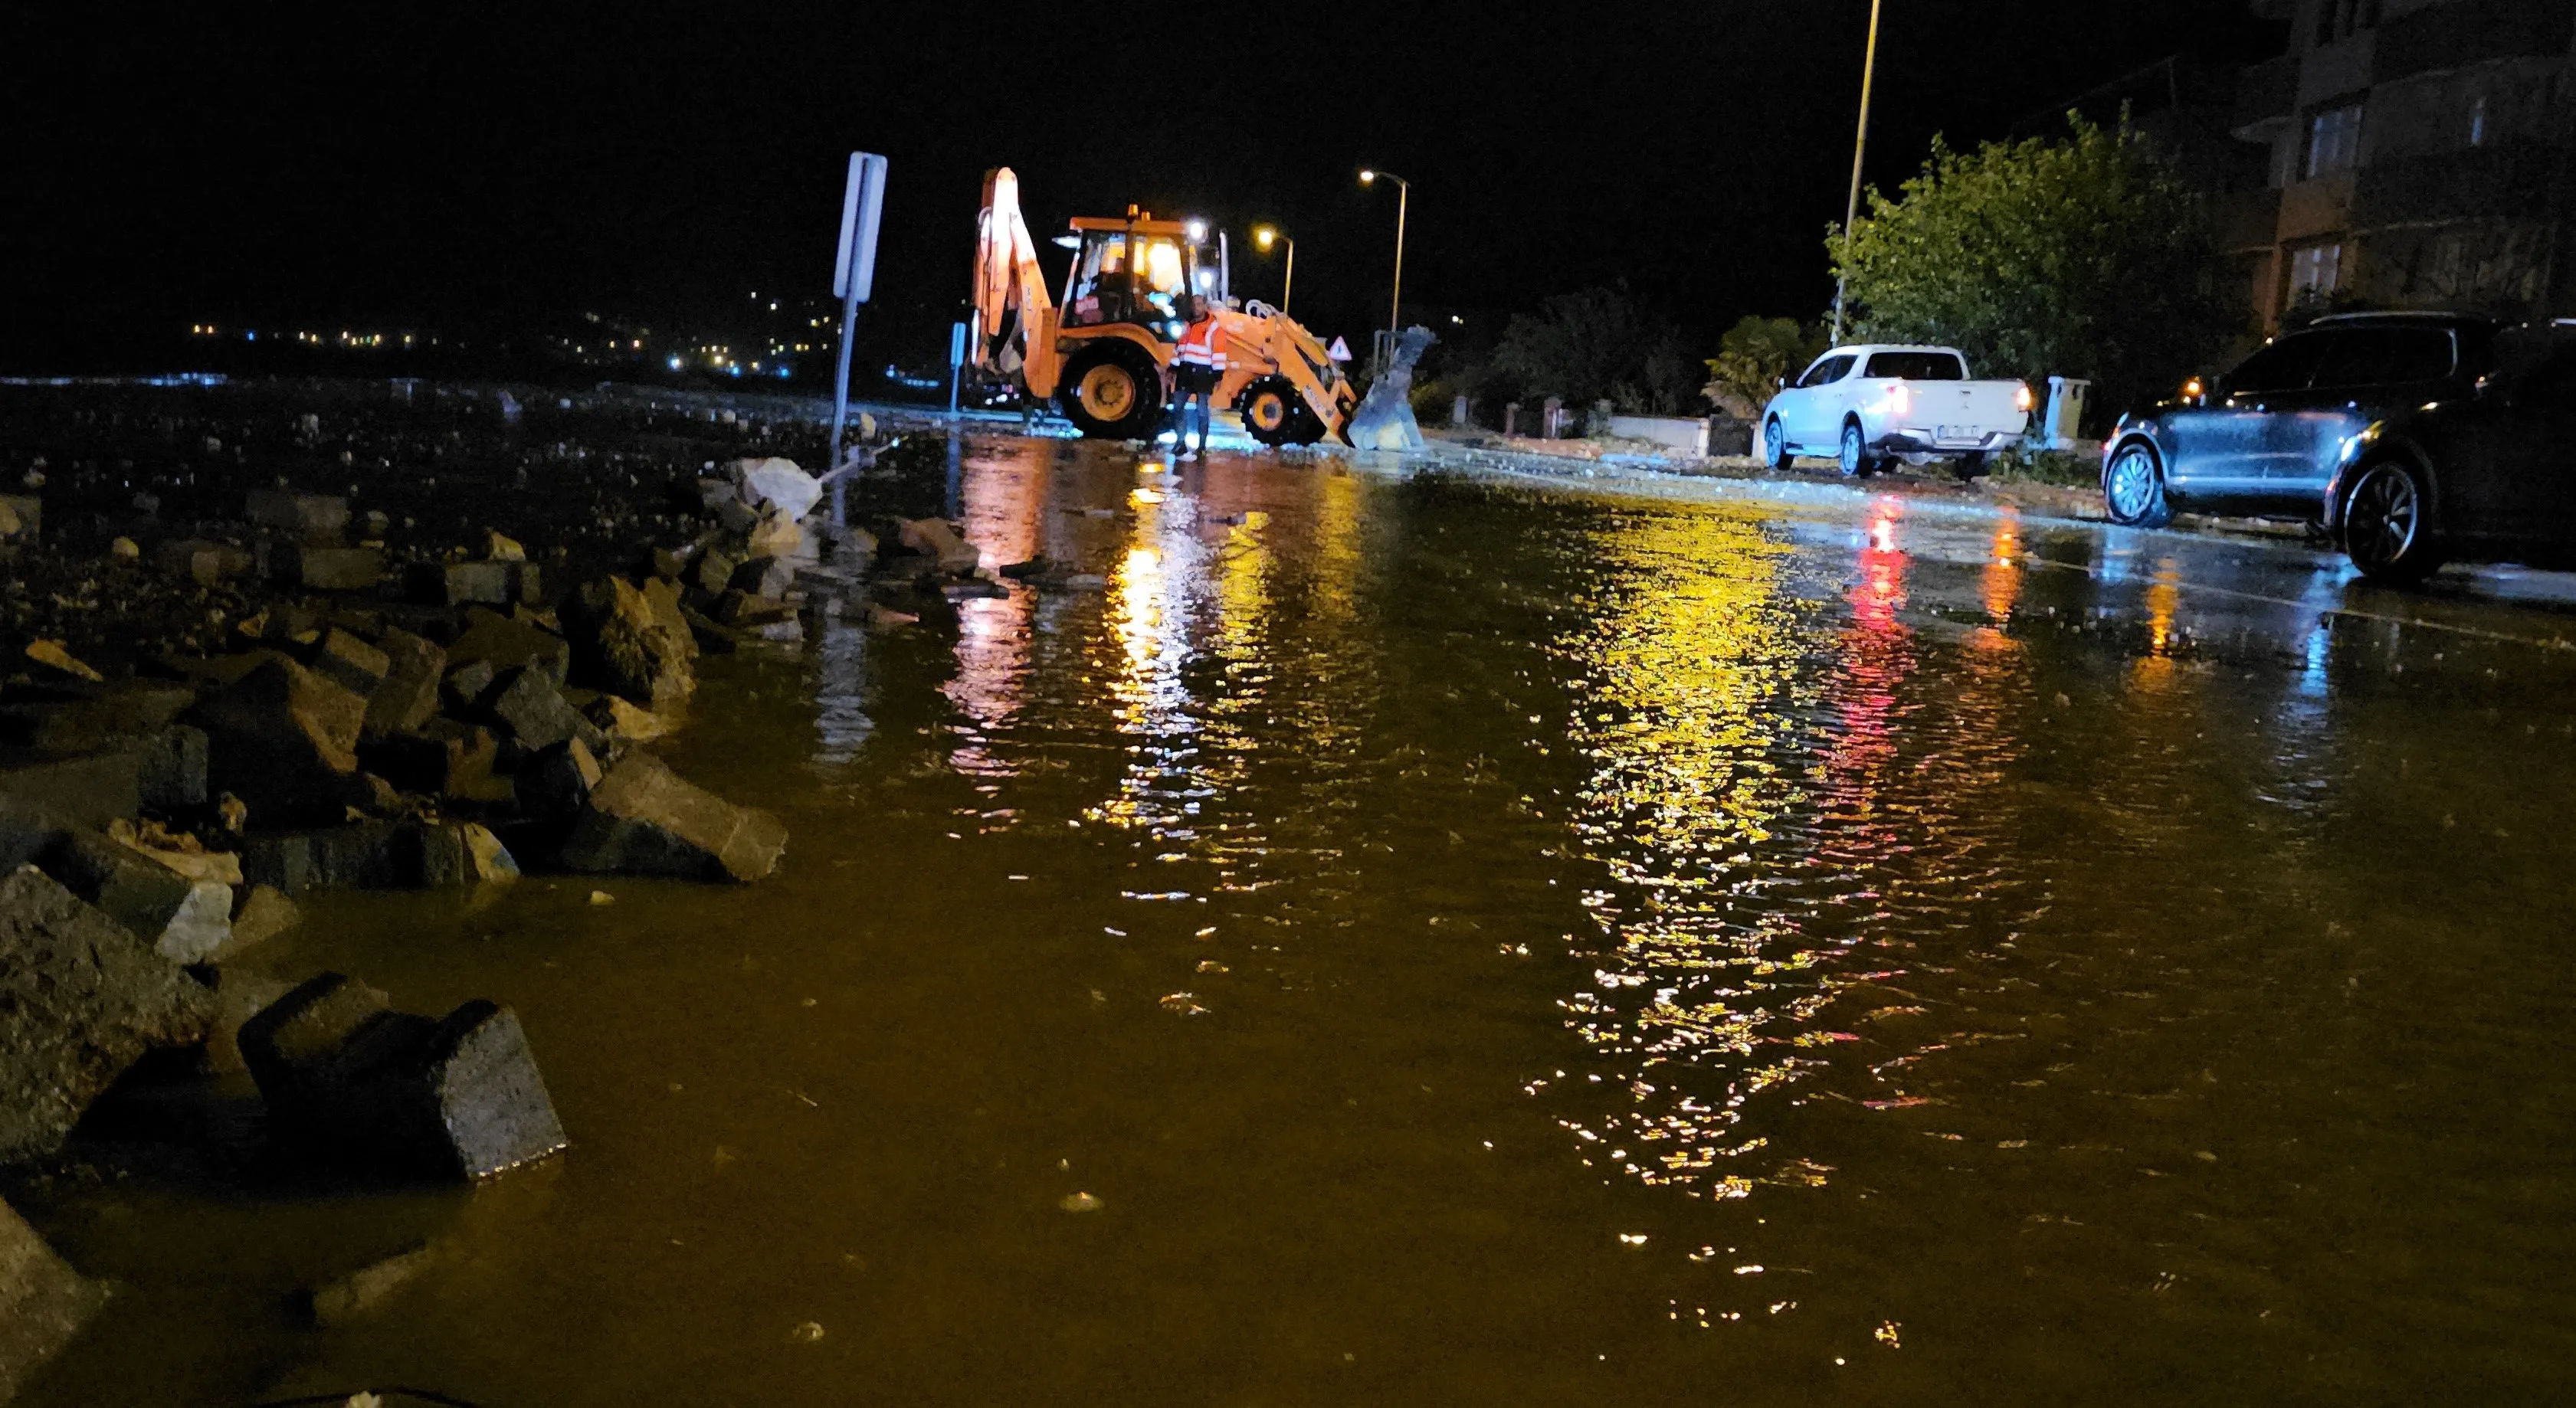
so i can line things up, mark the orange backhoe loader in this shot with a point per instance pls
(1105, 354)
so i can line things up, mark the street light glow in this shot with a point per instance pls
(1198, 231)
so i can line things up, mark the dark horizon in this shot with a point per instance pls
(483, 173)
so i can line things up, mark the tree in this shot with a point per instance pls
(1752, 358)
(2084, 257)
(1596, 345)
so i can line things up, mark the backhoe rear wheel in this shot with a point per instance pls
(1112, 392)
(1274, 414)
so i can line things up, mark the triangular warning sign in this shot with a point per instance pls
(1340, 351)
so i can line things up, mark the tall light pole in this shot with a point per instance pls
(1860, 144)
(1267, 236)
(1403, 196)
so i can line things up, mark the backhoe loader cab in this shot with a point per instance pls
(1124, 273)
(1104, 354)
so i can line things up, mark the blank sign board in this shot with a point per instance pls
(862, 203)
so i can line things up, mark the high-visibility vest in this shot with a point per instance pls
(1200, 348)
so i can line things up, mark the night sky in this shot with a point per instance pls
(472, 167)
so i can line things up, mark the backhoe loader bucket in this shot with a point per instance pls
(1384, 420)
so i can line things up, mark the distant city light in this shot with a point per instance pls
(675, 364)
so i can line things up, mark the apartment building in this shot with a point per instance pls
(2419, 156)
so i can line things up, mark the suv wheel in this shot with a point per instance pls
(2387, 525)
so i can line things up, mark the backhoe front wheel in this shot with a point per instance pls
(1112, 393)
(1274, 414)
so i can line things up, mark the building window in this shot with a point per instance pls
(2315, 272)
(2342, 19)
(2334, 141)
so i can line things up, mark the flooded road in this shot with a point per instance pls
(1420, 941)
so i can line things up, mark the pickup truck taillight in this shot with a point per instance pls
(1900, 397)
(2022, 399)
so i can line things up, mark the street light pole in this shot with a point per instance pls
(1267, 236)
(1860, 145)
(1403, 197)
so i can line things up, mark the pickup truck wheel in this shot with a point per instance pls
(2387, 529)
(1856, 458)
(2133, 489)
(1112, 393)
(1775, 445)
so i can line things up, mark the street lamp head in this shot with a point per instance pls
(1367, 176)
(1198, 231)
(1263, 235)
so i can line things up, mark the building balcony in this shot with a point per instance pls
(2464, 32)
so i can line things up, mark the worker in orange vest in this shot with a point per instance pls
(1197, 367)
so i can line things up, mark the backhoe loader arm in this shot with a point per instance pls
(1013, 314)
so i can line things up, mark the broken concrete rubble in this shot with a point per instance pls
(399, 1093)
(81, 999)
(643, 819)
(777, 481)
(940, 540)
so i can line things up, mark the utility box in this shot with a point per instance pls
(2064, 419)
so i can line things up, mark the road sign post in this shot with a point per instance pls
(854, 273)
(956, 363)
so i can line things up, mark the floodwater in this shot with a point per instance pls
(1415, 941)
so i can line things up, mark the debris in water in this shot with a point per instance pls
(808, 1332)
(1079, 1202)
(1183, 1003)
(602, 897)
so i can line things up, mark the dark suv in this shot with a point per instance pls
(2267, 438)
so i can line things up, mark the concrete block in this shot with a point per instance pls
(531, 711)
(43, 1303)
(459, 1097)
(317, 519)
(483, 583)
(500, 642)
(81, 999)
(632, 642)
(715, 569)
(643, 819)
(442, 758)
(557, 782)
(407, 695)
(940, 540)
(206, 562)
(345, 660)
(182, 918)
(284, 741)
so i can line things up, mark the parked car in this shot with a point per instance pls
(2265, 439)
(2487, 474)
(1868, 406)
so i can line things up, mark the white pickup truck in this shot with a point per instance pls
(1867, 406)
